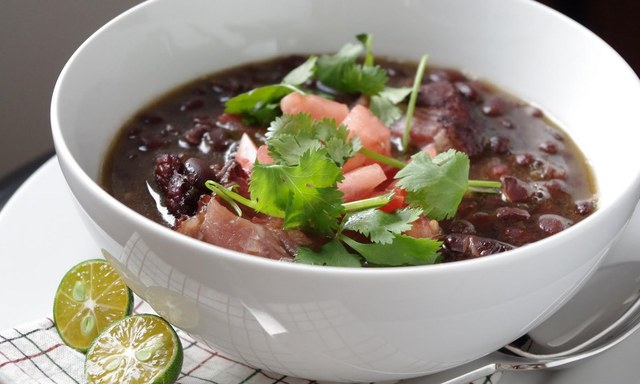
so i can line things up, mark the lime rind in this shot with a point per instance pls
(84, 302)
(134, 350)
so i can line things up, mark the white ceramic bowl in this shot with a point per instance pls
(350, 324)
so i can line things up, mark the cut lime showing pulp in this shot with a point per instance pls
(138, 349)
(90, 297)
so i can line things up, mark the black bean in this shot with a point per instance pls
(482, 221)
(150, 142)
(512, 214)
(473, 245)
(198, 171)
(217, 139)
(552, 224)
(450, 75)
(499, 144)
(534, 111)
(149, 119)
(194, 135)
(507, 123)
(548, 147)
(191, 104)
(462, 226)
(585, 207)
(494, 106)
(467, 91)
(524, 159)
(516, 190)
(467, 207)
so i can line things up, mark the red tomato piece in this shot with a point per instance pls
(374, 135)
(317, 106)
(397, 201)
(361, 182)
(263, 155)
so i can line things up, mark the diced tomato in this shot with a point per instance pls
(317, 106)
(431, 149)
(360, 182)
(263, 155)
(372, 132)
(246, 153)
(397, 201)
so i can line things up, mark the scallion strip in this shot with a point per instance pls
(417, 81)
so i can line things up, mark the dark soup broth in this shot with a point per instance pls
(161, 160)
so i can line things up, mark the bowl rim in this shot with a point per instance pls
(72, 169)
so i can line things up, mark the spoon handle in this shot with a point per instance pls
(478, 373)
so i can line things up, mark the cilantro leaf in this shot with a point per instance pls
(341, 72)
(403, 250)
(259, 105)
(383, 105)
(305, 194)
(380, 226)
(333, 253)
(289, 136)
(396, 94)
(436, 185)
(361, 79)
(301, 73)
(331, 66)
(384, 109)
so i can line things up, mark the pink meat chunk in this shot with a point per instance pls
(215, 224)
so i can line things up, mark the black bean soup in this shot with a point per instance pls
(160, 160)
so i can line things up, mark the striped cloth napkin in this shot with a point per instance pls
(34, 353)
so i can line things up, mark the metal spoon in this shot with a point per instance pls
(513, 358)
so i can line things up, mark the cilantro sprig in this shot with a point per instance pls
(340, 71)
(306, 194)
(387, 246)
(289, 136)
(261, 105)
(300, 186)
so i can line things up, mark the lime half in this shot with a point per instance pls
(90, 297)
(138, 349)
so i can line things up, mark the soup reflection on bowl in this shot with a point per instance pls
(337, 323)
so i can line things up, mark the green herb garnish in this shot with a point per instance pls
(300, 186)
(305, 195)
(437, 185)
(290, 136)
(417, 81)
(388, 247)
(340, 71)
(380, 226)
(261, 105)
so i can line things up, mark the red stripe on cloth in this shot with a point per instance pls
(24, 358)
(187, 374)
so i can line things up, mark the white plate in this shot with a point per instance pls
(42, 236)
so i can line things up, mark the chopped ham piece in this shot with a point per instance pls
(217, 225)
(246, 153)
